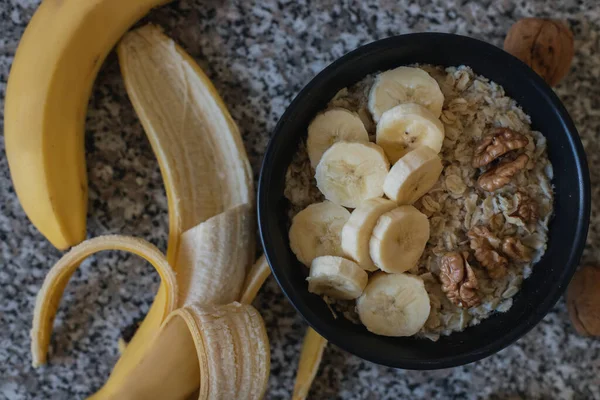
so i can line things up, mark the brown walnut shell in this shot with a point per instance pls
(583, 301)
(545, 45)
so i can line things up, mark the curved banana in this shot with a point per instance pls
(48, 90)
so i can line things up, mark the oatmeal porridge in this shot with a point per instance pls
(461, 167)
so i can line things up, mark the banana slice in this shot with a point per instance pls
(413, 175)
(406, 127)
(350, 173)
(404, 85)
(399, 239)
(336, 277)
(316, 231)
(394, 304)
(357, 231)
(333, 126)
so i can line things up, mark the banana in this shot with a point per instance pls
(333, 126)
(350, 173)
(406, 127)
(316, 231)
(404, 85)
(399, 239)
(394, 304)
(47, 94)
(336, 277)
(413, 175)
(193, 136)
(356, 233)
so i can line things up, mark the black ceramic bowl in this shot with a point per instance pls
(568, 228)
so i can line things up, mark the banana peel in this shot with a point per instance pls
(201, 348)
(56, 280)
(313, 344)
(48, 90)
(204, 352)
(199, 149)
(310, 359)
(213, 257)
(257, 276)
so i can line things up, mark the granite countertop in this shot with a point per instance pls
(259, 56)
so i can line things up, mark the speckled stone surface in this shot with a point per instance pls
(259, 56)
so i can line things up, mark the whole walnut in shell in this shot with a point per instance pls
(583, 301)
(543, 44)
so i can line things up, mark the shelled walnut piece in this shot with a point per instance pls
(458, 280)
(583, 301)
(496, 144)
(482, 242)
(527, 208)
(501, 174)
(516, 250)
(543, 44)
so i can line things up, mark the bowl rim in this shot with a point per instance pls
(583, 216)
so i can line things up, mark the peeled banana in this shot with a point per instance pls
(47, 94)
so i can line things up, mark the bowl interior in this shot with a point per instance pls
(568, 228)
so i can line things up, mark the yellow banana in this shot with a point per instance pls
(48, 90)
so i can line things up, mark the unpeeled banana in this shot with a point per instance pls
(47, 94)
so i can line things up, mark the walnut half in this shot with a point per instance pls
(458, 280)
(498, 143)
(501, 174)
(481, 241)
